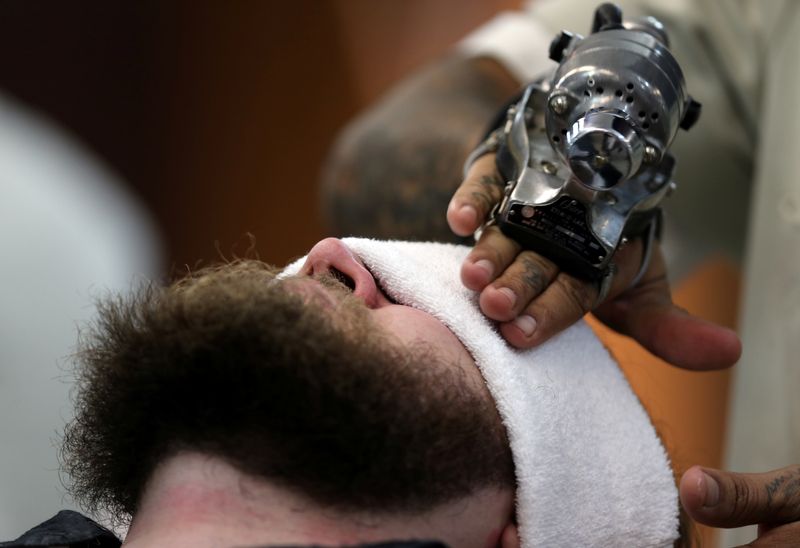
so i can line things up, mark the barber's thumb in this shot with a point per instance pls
(727, 499)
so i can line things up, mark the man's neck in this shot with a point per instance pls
(198, 500)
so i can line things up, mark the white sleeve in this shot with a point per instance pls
(764, 417)
(516, 40)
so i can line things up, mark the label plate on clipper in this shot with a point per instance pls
(563, 223)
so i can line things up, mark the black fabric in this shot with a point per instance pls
(68, 528)
(390, 544)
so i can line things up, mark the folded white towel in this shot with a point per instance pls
(590, 469)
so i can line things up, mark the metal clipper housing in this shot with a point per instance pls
(585, 150)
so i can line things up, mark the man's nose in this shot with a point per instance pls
(331, 255)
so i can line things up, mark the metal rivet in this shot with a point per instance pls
(549, 167)
(650, 154)
(559, 104)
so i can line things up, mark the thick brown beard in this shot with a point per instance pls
(230, 363)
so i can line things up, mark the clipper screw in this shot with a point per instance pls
(650, 154)
(559, 104)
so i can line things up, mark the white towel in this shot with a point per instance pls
(590, 469)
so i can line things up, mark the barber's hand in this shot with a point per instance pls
(726, 499)
(533, 300)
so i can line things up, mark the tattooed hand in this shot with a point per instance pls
(725, 499)
(534, 300)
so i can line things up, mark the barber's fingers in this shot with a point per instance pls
(677, 337)
(564, 302)
(647, 314)
(727, 499)
(490, 257)
(784, 536)
(558, 300)
(525, 279)
(536, 301)
(475, 198)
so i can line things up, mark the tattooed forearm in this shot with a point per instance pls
(393, 170)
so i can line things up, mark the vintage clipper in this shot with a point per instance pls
(585, 151)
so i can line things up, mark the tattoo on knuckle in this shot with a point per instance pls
(533, 277)
(491, 182)
(791, 497)
(774, 486)
(490, 187)
(784, 490)
(483, 200)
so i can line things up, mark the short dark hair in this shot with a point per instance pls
(229, 362)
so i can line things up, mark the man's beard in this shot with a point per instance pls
(234, 363)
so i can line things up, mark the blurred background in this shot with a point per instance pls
(140, 137)
(217, 115)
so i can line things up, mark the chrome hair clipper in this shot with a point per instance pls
(584, 152)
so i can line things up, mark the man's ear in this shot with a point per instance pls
(510, 537)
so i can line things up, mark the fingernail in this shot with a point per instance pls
(485, 265)
(512, 297)
(526, 324)
(468, 214)
(712, 491)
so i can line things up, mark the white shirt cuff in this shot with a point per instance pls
(516, 40)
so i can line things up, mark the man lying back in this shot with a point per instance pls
(239, 407)
(235, 409)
